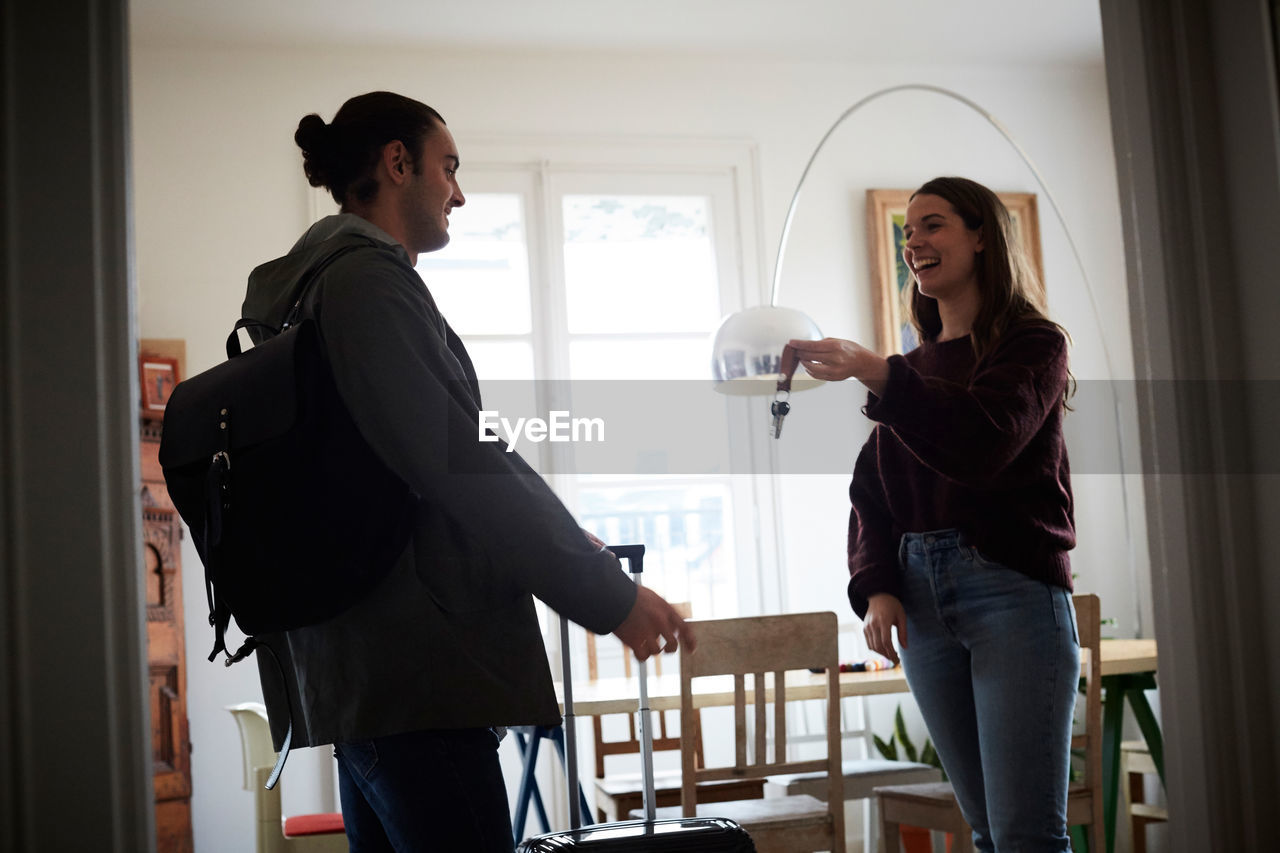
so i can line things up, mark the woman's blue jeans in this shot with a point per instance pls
(993, 661)
(438, 790)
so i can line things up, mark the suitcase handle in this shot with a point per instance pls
(634, 555)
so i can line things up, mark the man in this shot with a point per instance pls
(410, 683)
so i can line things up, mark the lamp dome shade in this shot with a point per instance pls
(746, 357)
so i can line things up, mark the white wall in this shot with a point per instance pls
(218, 190)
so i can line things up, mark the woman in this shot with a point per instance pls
(962, 516)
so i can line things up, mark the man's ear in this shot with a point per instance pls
(396, 161)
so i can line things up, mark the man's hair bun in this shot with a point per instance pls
(315, 138)
(342, 156)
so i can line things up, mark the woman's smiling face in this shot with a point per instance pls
(940, 250)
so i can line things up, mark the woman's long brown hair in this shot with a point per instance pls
(1008, 288)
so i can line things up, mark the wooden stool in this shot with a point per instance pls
(1135, 763)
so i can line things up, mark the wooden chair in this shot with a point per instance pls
(617, 795)
(861, 775)
(312, 833)
(767, 646)
(933, 806)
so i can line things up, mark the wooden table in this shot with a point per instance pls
(619, 695)
(1128, 670)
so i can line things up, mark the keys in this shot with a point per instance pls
(780, 407)
(779, 411)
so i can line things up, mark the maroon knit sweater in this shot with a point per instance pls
(976, 450)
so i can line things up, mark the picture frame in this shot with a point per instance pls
(886, 211)
(157, 376)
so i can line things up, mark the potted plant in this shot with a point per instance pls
(900, 746)
(900, 738)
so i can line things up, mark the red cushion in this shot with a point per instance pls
(313, 824)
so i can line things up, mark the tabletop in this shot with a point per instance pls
(619, 695)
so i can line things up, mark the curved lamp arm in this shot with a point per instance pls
(1003, 131)
(1075, 253)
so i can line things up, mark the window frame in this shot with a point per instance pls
(540, 165)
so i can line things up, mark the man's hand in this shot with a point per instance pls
(884, 613)
(654, 626)
(593, 539)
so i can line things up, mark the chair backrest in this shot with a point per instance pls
(258, 754)
(255, 738)
(1089, 626)
(765, 648)
(805, 720)
(269, 821)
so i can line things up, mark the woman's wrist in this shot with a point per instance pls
(876, 376)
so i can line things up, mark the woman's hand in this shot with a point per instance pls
(884, 613)
(834, 359)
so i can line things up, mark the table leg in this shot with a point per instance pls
(1112, 725)
(1150, 728)
(557, 736)
(1115, 689)
(528, 739)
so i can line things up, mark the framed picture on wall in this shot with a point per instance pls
(158, 374)
(886, 212)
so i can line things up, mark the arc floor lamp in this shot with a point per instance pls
(747, 347)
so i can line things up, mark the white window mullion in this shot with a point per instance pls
(542, 277)
(556, 330)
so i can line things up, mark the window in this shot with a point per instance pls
(596, 276)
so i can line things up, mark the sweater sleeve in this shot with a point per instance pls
(410, 398)
(971, 433)
(872, 550)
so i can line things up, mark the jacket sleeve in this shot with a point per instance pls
(971, 433)
(410, 398)
(872, 549)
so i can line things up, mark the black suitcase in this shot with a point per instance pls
(682, 835)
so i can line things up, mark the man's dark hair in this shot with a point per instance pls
(341, 155)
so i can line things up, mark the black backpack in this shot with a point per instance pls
(293, 514)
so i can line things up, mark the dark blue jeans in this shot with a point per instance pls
(993, 661)
(417, 792)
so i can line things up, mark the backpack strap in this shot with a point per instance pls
(217, 495)
(350, 243)
(233, 339)
(288, 733)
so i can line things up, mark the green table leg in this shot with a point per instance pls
(1115, 689)
(1112, 723)
(1150, 727)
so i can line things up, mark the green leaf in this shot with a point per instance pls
(900, 732)
(888, 750)
(929, 755)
